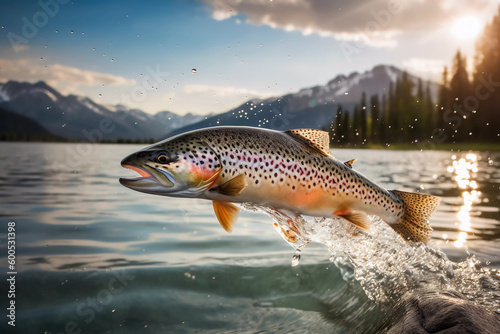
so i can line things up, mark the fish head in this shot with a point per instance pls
(183, 167)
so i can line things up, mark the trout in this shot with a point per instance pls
(292, 172)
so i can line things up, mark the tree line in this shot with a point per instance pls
(467, 107)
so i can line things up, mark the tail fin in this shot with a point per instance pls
(417, 209)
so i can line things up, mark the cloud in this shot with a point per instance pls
(375, 22)
(428, 68)
(57, 74)
(221, 91)
(20, 47)
(169, 96)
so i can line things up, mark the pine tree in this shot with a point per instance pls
(346, 129)
(374, 119)
(383, 123)
(406, 111)
(487, 68)
(443, 101)
(459, 83)
(338, 125)
(419, 124)
(459, 89)
(363, 122)
(390, 117)
(356, 125)
(429, 117)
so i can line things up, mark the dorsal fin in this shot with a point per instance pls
(315, 139)
(349, 163)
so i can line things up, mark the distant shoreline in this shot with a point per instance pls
(427, 147)
(393, 146)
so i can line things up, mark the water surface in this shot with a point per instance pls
(95, 256)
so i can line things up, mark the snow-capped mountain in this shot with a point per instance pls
(173, 121)
(313, 107)
(347, 89)
(77, 117)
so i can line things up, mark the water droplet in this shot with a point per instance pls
(104, 55)
(3, 27)
(72, 32)
(100, 95)
(113, 310)
(193, 70)
(346, 93)
(112, 60)
(296, 258)
(57, 31)
(64, 125)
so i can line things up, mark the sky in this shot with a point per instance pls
(205, 56)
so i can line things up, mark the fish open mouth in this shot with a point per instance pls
(149, 177)
(144, 178)
(141, 172)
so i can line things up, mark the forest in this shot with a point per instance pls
(466, 110)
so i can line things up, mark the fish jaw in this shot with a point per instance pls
(151, 180)
(183, 176)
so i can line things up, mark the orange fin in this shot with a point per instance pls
(358, 218)
(349, 163)
(318, 140)
(226, 213)
(234, 186)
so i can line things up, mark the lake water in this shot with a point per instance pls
(95, 257)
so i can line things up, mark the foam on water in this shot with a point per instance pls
(384, 264)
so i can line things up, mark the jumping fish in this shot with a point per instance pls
(292, 172)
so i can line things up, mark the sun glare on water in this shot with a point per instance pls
(466, 28)
(465, 169)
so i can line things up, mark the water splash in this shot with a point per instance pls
(383, 263)
(296, 258)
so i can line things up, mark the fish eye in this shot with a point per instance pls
(162, 158)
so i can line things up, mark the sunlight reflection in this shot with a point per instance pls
(463, 168)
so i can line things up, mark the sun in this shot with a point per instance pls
(466, 28)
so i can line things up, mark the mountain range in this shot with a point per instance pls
(76, 117)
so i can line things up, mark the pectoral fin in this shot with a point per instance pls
(234, 186)
(226, 213)
(358, 218)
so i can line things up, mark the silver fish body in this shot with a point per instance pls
(291, 171)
